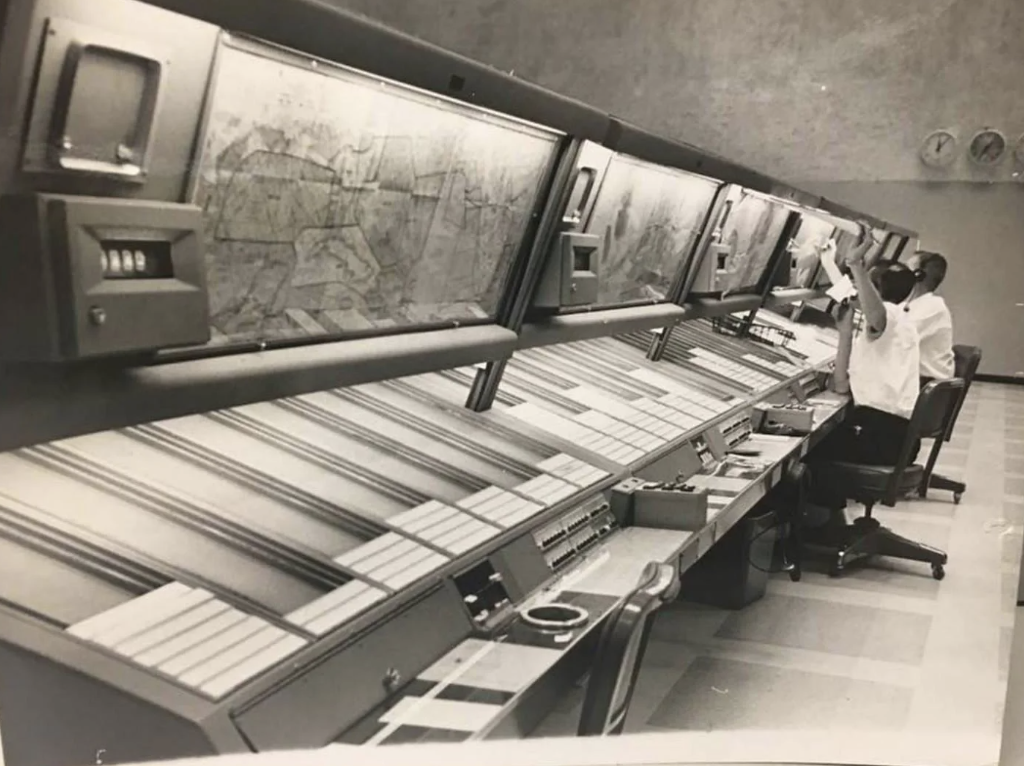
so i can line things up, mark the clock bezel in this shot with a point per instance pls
(946, 161)
(1002, 154)
(1018, 150)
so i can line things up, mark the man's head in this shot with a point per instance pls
(929, 269)
(893, 280)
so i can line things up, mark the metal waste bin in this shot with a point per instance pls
(734, 573)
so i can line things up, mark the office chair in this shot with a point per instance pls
(621, 649)
(873, 484)
(967, 360)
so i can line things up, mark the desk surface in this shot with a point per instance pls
(476, 685)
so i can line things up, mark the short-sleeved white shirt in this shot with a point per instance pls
(885, 371)
(934, 326)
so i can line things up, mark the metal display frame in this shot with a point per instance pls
(174, 386)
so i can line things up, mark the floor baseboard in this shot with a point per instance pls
(1011, 380)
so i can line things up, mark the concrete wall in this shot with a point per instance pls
(836, 95)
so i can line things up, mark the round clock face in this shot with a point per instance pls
(939, 149)
(988, 147)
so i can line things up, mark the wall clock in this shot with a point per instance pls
(988, 147)
(939, 149)
(1018, 151)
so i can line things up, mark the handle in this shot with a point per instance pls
(575, 217)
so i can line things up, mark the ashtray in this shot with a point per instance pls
(555, 616)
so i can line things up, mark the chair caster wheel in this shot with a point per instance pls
(794, 575)
(835, 570)
(938, 571)
(957, 497)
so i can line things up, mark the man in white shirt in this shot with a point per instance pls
(931, 317)
(878, 364)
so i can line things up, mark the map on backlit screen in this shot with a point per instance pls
(333, 202)
(814, 234)
(751, 233)
(649, 218)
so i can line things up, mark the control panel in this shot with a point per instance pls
(735, 431)
(808, 385)
(793, 418)
(704, 452)
(570, 277)
(483, 593)
(84, 277)
(662, 505)
(577, 531)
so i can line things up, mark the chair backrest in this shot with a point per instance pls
(621, 649)
(936, 406)
(968, 358)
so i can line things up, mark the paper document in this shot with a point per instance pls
(842, 288)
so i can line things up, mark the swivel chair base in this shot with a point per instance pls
(935, 481)
(865, 537)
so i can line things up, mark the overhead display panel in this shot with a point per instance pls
(336, 202)
(805, 249)
(750, 232)
(649, 219)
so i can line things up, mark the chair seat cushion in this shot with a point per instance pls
(858, 481)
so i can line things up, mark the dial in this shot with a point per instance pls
(988, 147)
(939, 149)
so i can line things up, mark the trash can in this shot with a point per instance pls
(734, 573)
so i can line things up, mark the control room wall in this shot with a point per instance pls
(981, 227)
(830, 94)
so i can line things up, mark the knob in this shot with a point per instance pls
(97, 316)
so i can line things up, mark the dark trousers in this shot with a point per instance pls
(867, 437)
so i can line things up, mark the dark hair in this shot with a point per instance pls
(893, 280)
(933, 265)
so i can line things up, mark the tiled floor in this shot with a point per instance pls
(886, 648)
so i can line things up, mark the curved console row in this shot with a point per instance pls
(334, 368)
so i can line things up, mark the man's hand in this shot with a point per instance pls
(843, 314)
(856, 256)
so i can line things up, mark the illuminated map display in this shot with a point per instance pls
(334, 202)
(649, 217)
(806, 249)
(751, 232)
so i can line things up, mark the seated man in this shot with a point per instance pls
(931, 317)
(878, 364)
